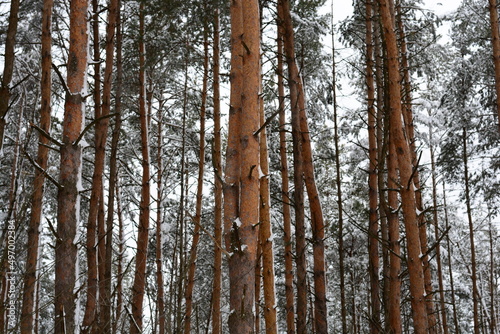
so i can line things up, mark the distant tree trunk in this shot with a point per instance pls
(493, 315)
(139, 284)
(444, 321)
(180, 237)
(495, 41)
(408, 206)
(111, 31)
(285, 193)
(382, 136)
(243, 232)
(410, 133)
(68, 197)
(475, 291)
(265, 232)
(450, 267)
(113, 189)
(338, 180)
(298, 170)
(199, 192)
(374, 260)
(8, 69)
(99, 160)
(217, 284)
(30, 276)
(160, 298)
(8, 291)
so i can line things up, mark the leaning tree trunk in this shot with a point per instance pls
(298, 170)
(8, 70)
(139, 285)
(317, 222)
(30, 276)
(407, 193)
(410, 132)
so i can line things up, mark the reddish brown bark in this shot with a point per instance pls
(394, 297)
(495, 41)
(285, 193)
(374, 259)
(8, 69)
(139, 284)
(100, 153)
(410, 132)
(317, 222)
(30, 276)
(68, 196)
(407, 193)
(217, 284)
(244, 230)
(298, 169)
(106, 240)
(265, 232)
(199, 193)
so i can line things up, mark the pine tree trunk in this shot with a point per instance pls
(244, 231)
(113, 192)
(100, 155)
(495, 41)
(30, 276)
(493, 315)
(285, 193)
(199, 192)
(8, 278)
(138, 288)
(265, 232)
(68, 197)
(442, 300)
(374, 260)
(120, 274)
(160, 298)
(475, 291)
(394, 298)
(217, 284)
(450, 267)
(298, 171)
(408, 206)
(410, 132)
(338, 180)
(112, 30)
(8, 69)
